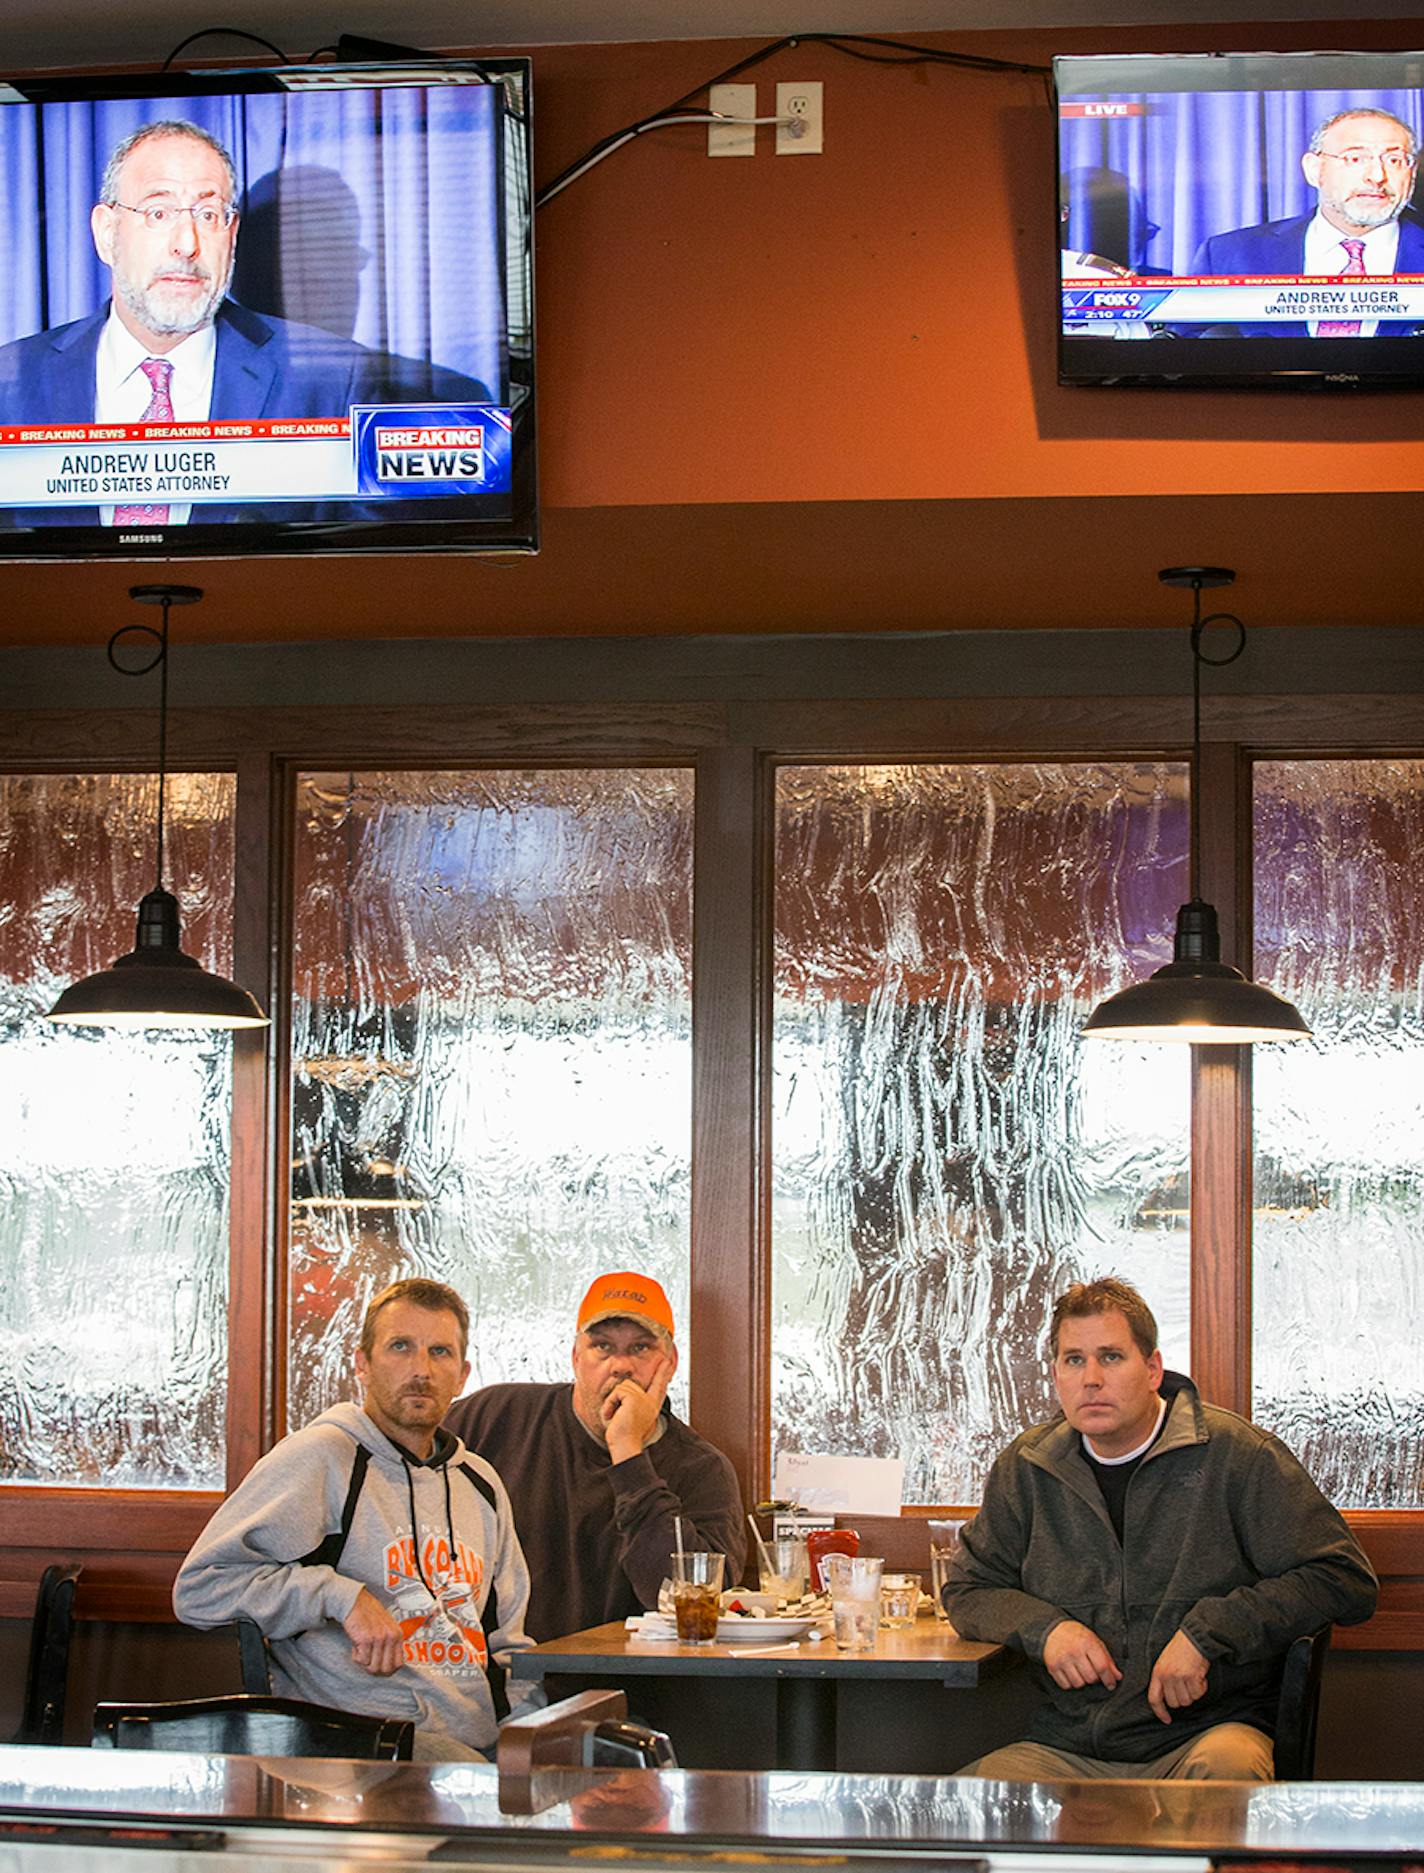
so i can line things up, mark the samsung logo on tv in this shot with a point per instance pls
(140, 539)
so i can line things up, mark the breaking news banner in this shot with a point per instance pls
(89, 464)
(241, 463)
(1285, 301)
(424, 450)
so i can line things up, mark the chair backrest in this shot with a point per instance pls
(1298, 1708)
(253, 1726)
(252, 1654)
(48, 1670)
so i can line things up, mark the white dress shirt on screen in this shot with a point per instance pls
(122, 392)
(1325, 255)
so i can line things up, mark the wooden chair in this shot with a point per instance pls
(1298, 1708)
(253, 1726)
(47, 1673)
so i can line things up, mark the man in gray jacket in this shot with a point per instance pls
(1155, 1556)
(376, 1553)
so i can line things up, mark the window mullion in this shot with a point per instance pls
(1221, 1106)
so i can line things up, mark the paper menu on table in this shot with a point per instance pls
(840, 1485)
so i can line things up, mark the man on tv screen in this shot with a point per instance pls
(1361, 164)
(171, 346)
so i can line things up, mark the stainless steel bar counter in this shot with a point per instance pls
(82, 1811)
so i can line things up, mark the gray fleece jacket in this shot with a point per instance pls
(1225, 1536)
(433, 1541)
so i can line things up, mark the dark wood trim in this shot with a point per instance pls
(1392, 1538)
(249, 1312)
(913, 728)
(115, 1586)
(1394, 1628)
(560, 734)
(729, 1318)
(763, 989)
(1386, 1632)
(1221, 1212)
(283, 916)
(1060, 726)
(131, 1520)
(1221, 1137)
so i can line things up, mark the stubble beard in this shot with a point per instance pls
(1367, 216)
(168, 314)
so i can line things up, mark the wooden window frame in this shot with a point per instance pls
(131, 1540)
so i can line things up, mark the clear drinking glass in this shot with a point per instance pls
(786, 1577)
(854, 1582)
(944, 1543)
(899, 1600)
(696, 1596)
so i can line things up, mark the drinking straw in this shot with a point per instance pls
(762, 1548)
(677, 1526)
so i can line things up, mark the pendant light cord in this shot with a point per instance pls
(165, 596)
(1199, 657)
(158, 660)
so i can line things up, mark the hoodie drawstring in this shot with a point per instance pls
(415, 1524)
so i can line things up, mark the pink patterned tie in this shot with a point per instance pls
(159, 373)
(1345, 328)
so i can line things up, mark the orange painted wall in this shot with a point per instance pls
(772, 400)
(874, 323)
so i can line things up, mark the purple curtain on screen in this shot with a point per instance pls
(1203, 163)
(375, 214)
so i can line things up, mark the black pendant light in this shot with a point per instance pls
(1197, 997)
(157, 985)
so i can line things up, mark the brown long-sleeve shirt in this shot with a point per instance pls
(596, 1534)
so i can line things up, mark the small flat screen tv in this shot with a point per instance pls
(1234, 218)
(267, 311)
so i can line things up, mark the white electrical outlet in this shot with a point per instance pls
(735, 139)
(799, 129)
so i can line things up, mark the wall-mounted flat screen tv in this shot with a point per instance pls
(1241, 218)
(267, 311)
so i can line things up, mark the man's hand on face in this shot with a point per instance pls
(1178, 1677)
(376, 1642)
(630, 1414)
(1074, 1656)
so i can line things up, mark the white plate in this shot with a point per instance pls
(734, 1631)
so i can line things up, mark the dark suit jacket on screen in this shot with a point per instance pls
(1279, 247)
(263, 366)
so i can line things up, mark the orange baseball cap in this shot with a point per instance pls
(626, 1297)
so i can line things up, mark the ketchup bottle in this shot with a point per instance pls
(822, 1541)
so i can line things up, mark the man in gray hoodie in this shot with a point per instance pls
(1154, 1556)
(376, 1553)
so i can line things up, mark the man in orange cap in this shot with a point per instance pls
(599, 1471)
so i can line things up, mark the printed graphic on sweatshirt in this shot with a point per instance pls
(443, 1634)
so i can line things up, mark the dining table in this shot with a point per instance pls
(921, 1700)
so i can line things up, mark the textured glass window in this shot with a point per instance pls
(1338, 1268)
(491, 1056)
(948, 1154)
(114, 1148)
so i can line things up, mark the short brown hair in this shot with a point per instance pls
(434, 1296)
(1106, 1295)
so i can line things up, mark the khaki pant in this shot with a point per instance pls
(1228, 1752)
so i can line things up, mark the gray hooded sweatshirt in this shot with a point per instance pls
(433, 1541)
